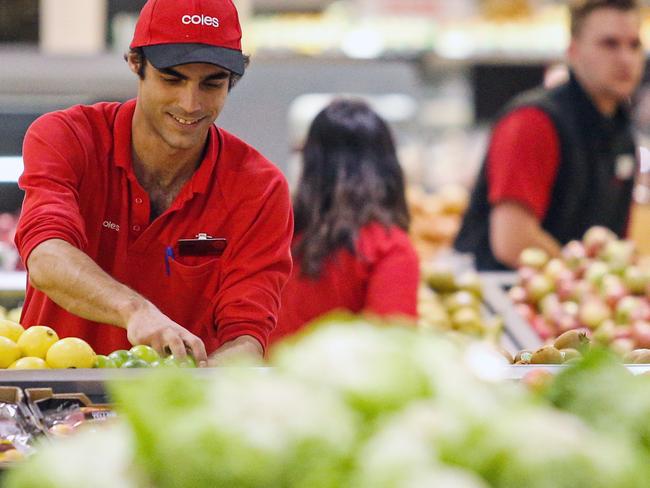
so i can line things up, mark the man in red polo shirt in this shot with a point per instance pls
(143, 222)
(563, 160)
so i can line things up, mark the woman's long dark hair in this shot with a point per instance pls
(350, 177)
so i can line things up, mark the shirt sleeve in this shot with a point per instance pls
(53, 166)
(395, 275)
(523, 159)
(258, 267)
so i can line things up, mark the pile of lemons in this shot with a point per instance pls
(39, 347)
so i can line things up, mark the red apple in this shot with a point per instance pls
(596, 238)
(533, 257)
(550, 306)
(538, 287)
(545, 330)
(574, 254)
(619, 255)
(518, 294)
(622, 346)
(626, 309)
(636, 279)
(570, 308)
(596, 272)
(593, 311)
(605, 332)
(564, 323)
(525, 274)
(641, 334)
(612, 289)
(556, 269)
(526, 311)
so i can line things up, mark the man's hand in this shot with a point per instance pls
(151, 327)
(244, 349)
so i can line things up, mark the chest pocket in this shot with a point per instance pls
(191, 287)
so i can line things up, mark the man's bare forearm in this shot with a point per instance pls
(76, 283)
(513, 228)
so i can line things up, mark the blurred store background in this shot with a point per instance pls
(438, 70)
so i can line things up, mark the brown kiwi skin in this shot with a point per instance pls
(523, 357)
(637, 356)
(568, 354)
(547, 355)
(572, 339)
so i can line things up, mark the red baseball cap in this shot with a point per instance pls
(174, 32)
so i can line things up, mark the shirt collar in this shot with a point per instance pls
(123, 157)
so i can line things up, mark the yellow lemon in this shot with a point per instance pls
(36, 340)
(29, 363)
(9, 352)
(70, 352)
(10, 329)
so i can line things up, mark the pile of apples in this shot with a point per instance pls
(450, 303)
(142, 356)
(599, 284)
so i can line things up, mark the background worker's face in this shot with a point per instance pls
(607, 56)
(180, 104)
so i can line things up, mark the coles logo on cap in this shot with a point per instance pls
(200, 20)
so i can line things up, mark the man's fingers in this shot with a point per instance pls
(198, 349)
(176, 345)
(157, 344)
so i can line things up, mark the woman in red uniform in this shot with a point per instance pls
(351, 249)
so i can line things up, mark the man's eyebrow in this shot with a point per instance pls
(221, 75)
(173, 72)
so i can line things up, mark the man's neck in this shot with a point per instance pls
(605, 104)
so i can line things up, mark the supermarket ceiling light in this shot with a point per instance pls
(455, 44)
(363, 43)
(11, 168)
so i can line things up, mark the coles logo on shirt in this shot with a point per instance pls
(111, 225)
(200, 20)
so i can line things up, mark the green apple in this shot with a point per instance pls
(104, 362)
(146, 353)
(120, 356)
(135, 363)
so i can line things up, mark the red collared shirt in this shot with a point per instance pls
(381, 279)
(523, 160)
(80, 187)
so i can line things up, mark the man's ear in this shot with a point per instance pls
(134, 61)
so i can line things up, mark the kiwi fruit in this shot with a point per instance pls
(547, 355)
(572, 339)
(523, 357)
(569, 354)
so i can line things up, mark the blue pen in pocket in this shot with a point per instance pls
(169, 254)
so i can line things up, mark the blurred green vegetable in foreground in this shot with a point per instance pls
(353, 404)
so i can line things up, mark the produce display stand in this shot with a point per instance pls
(89, 381)
(495, 297)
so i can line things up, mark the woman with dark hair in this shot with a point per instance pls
(351, 250)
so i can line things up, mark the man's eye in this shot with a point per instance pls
(214, 85)
(171, 80)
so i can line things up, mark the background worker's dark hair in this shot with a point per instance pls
(580, 9)
(350, 177)
(139, 52)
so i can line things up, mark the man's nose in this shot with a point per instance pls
(190, 99)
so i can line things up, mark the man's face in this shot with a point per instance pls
(607, 56)
(180, 104)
